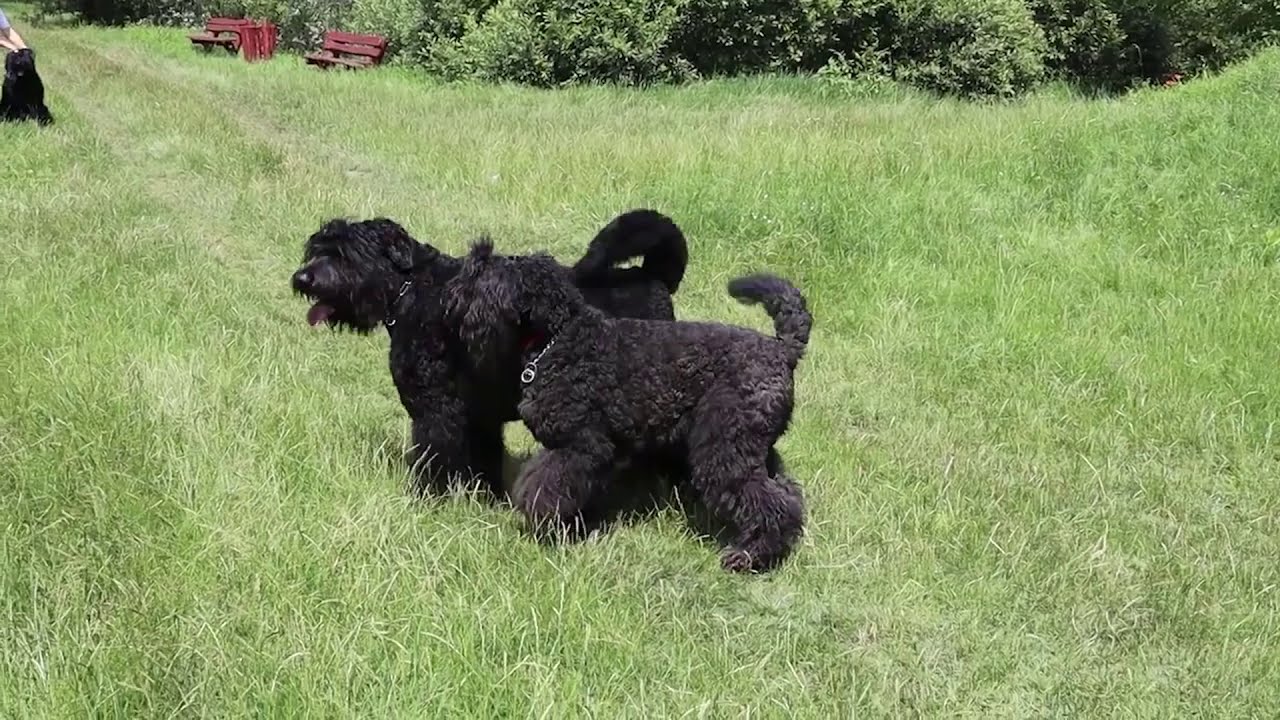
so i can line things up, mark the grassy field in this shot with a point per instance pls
(1036, 424)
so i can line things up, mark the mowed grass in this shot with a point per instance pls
(1035, 425)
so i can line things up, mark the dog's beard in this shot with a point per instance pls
(360, 314)
(318, 312)
(341, 298)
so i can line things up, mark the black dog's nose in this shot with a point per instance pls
(302, 280)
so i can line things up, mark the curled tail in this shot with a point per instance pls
(636, 233)
(784, 303)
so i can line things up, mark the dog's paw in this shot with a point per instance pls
(737, 560)
(557, 530)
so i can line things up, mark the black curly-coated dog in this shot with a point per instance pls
(23, 95)
(362, 275)
(596, 389)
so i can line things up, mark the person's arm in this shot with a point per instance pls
(9, 37)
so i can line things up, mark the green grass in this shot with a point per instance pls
(1036, 424)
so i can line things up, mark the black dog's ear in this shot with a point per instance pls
(548, 292)
(404, 252)
(402, 255)
(400, 247)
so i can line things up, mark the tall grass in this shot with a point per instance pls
(1036, 425)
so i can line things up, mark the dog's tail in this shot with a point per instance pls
(637, 233)
(784, 303)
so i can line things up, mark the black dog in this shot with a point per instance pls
(361, 275)
(597, 389)
(23, 95)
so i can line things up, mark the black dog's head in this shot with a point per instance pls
(352, 271)
(499, 302)
(20, 63)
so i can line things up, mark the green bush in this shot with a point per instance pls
(397, 20)
(1113, 44)
(554, 42)
(1208, 34)
(441, 28)
(303, 23)
(969, 47)
(965, 47)
(120, 12)
(730, 37)
(506, 44)
(858, 36)
(742, 36)
(1085, 41)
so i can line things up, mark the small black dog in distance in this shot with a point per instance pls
(23, 94)
(596, 389)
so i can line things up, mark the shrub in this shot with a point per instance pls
(400, 21)
(966, 47)
(119, 12)
(1112, 44)
(856, 36)
(1207, 34)
(729, 37)
(1085, 42)
(441, 28)
(303, 23)
(507, 44)
(969, 47)
(742, 36)
(553, 42)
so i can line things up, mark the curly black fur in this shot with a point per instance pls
(363, 275)
(23, 94)
(597, 389)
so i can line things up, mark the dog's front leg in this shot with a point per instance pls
(487, 452)
(437, 454)
(556, 484)
(440, 449)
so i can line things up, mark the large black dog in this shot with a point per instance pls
(596, 389)
(362, 275)
(23, 95)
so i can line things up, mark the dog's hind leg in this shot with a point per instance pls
(776, 504)
(43, 116)
(743, 485)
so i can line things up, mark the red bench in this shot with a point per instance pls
(221, 31)
(350, 50)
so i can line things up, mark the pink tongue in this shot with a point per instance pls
(319, 313)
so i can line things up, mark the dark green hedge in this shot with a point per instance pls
(965, 47)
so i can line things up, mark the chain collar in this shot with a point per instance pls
(390, 321)
(531, 368)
